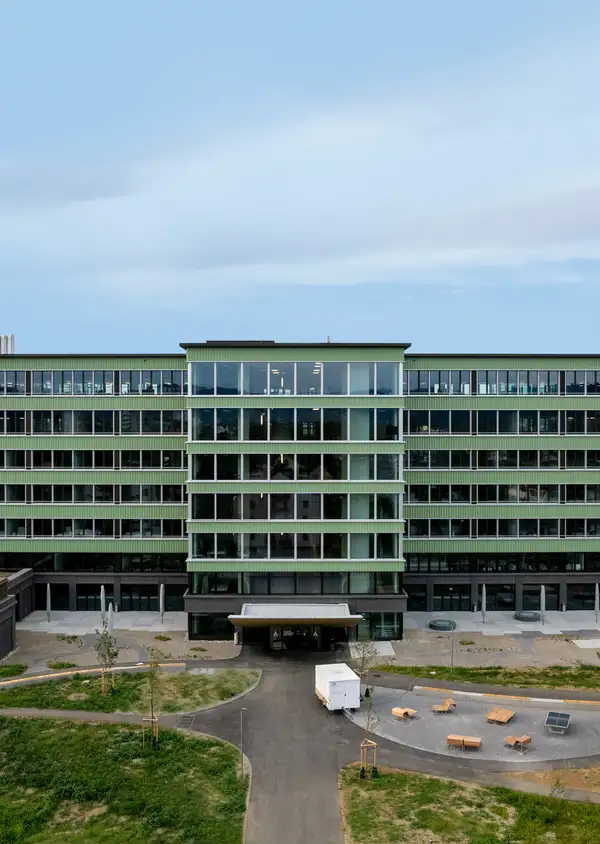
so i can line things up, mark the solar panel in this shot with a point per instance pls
(558, 719)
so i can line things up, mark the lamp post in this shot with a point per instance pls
(451, 638)
(242, 710)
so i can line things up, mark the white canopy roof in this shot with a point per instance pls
(259, 615)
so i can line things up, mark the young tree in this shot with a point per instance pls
(366, 657)
(107, 653)
(155, 656)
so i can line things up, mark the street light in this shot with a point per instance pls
(242, 710)
(450, 588)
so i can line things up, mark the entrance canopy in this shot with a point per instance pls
(262, 615)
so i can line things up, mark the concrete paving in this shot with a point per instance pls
(504, 623)
(81, 623)
(428, 731)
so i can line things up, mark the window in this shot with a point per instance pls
(418, 494)
(548, 421)
(203, 379)
(203, 506)
(548, 382)
(528, 422)
(282, 424)
(335, 466)
(282, 467)
(282, 506)
(439, 382)
(419, 421)
(309, 467)
(42, 421)
(528, 459)
(150, 421)
(130, 422)
(335, 379)
(281, 379)
(439, 494)
(308, 424)
(593, 382)
(103, 422)
(460, 459)
(228, 467)
(335, 424)
(227, 423)
(362, 379)
(388, 379)
(282, 546)
(387, 424)
(460, 382)
(255, 379)
(575, 421)
(507, 382)
(256, 506)
(487, 422)
(308, 379)
(228, 506)
(172, 421)
(487, 382)
(255, 467)
(439, 459)
(460, 421)
(172, 381)
(440, 422)
(388, 467)
(419, 459)
(228, 379)
(528, 382)
(574, 382)
(255, 424)
(362, 423)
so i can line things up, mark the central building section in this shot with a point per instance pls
(295, 490)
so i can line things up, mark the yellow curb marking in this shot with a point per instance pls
(33, 677)
(510, 697)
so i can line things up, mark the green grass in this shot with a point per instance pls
(98, 784)
(12, 669)
(400, 807)
(578, 676)
(176, 692)
(58, 666)
(162, 638)
(199, 649)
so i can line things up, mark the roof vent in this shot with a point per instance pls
(7, 344)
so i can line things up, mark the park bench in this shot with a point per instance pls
(518, 743)
(499, 716)
(443, 708)
(403, 713)
(463, 742)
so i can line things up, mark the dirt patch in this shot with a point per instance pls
(77, 696)
(76, 813)
(580, 779)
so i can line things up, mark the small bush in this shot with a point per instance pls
(57, 666)
(199, 650)
(162, 638)
(12, 669)
(465, 642)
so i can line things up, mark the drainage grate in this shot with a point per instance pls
(185, 722)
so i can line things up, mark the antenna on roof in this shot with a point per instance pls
(328, 339)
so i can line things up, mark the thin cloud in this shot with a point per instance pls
(500, 171)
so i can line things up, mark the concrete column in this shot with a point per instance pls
(72, 596)
(518, 595)
(474, 594)
(117, 592)
(562, 594)
(429, 598)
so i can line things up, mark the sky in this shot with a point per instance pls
(389, 171)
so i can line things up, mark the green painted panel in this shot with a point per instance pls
(95, 546)
(294, 401)
(500, 511)
(93, 511)
(295, 566)
(515, 442)
(291, 526)
(292, 447)
(87, 442)
(89, 476)
(295, 353)
(293, 486)
(146, 402)
(497, 546)
(503, 476)
(512, 402)
(504, 362)
(41, 362)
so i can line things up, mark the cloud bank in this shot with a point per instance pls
(499, 170)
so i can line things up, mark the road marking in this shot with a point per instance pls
(549, 700)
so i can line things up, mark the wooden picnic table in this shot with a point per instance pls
(463, 742)
(500, 716)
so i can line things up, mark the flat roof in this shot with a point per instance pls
(482, 356)
(255, 614)
(271, 344)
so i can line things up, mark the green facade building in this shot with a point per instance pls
(280, 489)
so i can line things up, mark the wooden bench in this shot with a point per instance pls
(499, 716)
(463, 742)
(518, 743)
(447, 706)
(403, 712)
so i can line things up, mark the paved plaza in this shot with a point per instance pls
(80, 623)
(428, 730)
(504, 623)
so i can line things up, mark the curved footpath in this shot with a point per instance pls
(296, 748)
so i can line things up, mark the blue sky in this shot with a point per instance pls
(420, 172)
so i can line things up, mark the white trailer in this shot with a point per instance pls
(337, 686)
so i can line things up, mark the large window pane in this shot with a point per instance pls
(335, 506)
(335, 467)
(362, 506)
(282, 467)
(282, 423)
(308, 424)
(228, 423)
(255, 424)
(203, 424)
(388, 382)
(256, 546)
(309, 467)
(282, 546)
(282, 506)
(387, 424)
(387, 506)
(308, 546)
(255, 467)
(255, 379)
(308, 379)
(335, 382)
(229, 546)
(362, 423)
(335, 424)
(308, 505)
(228, 467)
(228, 506)
(203, 467)
(281, 379)
(256, 506)
(228, 379)
(203, 506)
(203, 379)
(388, 467)
(362, 467)
(362, 379)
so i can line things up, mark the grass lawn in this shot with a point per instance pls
(176, 692)
(579, 676)
(401, 808)
(13, 669)
(98, 784)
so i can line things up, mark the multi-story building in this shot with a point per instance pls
(246, 477)
(502, 481)
(263, 484)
